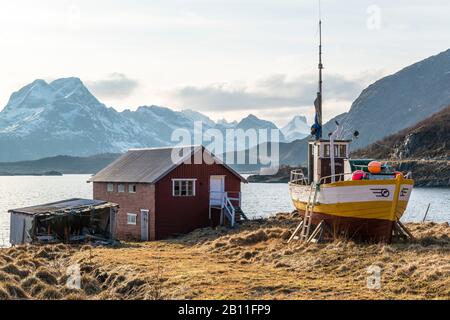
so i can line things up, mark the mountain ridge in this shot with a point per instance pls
(423, 149)
(399, 100)
(63, 117)
(426, 140)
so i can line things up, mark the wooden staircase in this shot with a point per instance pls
(230, 208)
(240, 213)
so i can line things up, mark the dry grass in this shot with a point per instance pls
(249, 262)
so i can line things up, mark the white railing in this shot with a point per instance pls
(230, 211)
(297, 177)
(226, 201)
(234, 196)
(337, 177)
(217, 198)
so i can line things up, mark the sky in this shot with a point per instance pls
(224, 58)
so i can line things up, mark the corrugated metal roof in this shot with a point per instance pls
(63, 205)
(148, 165)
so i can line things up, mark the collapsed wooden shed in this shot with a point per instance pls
(72, 220)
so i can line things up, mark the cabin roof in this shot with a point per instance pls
(151, 165)
(328, 140)
(64, 206)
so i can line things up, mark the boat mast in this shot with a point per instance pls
(319, 93)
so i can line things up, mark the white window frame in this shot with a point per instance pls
(131, 215)
(343, 154)
(118, 188)
(184, 180)
(131, 187)
(336, 151)
(108, 189)
(326, 147)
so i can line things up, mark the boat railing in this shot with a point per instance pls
(298, 177)
(337, 177)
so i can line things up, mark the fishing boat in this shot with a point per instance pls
(353, 198)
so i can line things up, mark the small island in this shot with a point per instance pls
(40, 174)
(282, 176)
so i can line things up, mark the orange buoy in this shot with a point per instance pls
(374, 167)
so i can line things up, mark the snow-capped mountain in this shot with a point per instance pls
(297, 128)
(253, 122)
(63, 118)
(197, 116)
(251, 126)
(224, 123)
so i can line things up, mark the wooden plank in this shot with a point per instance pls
(315, 232)
(295, 231)
(405, 230)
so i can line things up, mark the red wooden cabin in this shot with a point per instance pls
(167, 191)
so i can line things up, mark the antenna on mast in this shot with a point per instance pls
(319, 93)
(316, 129)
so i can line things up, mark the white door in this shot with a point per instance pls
(144, 225)
(217, 190)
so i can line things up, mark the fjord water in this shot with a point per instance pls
(259, 199)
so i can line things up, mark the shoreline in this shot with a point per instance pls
(32, 174)
(251, 261)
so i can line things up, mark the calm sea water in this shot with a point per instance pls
(259, 199)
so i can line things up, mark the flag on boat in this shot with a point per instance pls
(316, 129)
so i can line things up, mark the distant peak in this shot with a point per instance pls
(35, 92)
(63, 82)
(39, 82)
(148, 108)
(251, 117)
(225, 122)
(299, 118)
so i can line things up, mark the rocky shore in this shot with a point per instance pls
(426, 173)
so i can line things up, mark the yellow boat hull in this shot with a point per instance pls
(365, 199)
(366, 209)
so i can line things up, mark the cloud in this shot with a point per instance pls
(277, 90)
(116, 85)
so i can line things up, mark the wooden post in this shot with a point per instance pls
(315, 232)
(426, 213)
(300, 225)
(404, 230)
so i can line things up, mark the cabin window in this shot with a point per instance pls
(132, 188)
(326, 151)
(110, 187)
(343, 151)
(131, 218)
(121, 188)
(183, 187)
(336, 151)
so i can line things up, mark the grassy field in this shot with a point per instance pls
(250, 262)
